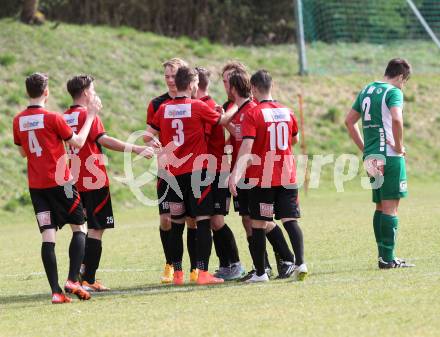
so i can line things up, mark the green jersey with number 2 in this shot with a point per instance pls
(374, 103)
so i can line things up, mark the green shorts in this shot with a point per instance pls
(394, 181)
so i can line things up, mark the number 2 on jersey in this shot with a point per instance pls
(279, 136)
(34, 145)
(366, 104)
(179, 138)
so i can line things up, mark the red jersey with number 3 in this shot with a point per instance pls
(41, 134)
(92, 174)
(272, 127)
(216, 136)
(181, 123)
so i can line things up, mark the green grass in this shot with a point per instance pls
(128, 72)
(345, 295)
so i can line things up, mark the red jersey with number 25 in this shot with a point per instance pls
(272, 127)
(92, 174)
(181, 121)
(41, 133)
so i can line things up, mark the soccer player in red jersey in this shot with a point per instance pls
(170, 68)
(181, 125)
(39, 134)
(92, 181)
(268, 132)
(224, 241)
(240, 91)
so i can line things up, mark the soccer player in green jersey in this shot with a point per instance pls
(379, 105)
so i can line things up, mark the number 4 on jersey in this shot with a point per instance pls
(34, 146)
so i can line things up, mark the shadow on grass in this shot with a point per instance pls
(146, 290)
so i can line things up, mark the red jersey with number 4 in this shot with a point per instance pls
(92, 174)
(237, 122)
(181, 123)
(41, 134)
(272, 127)
(216, 136)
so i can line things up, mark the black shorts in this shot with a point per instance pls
(97, 205)
(56, 206)
(190, 203)
(220, 194)
(161, 188)
(281, 201)
(241, 201)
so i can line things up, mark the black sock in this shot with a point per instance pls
(76, 254)
(204, 244)
(191, 244)
(259, 247)
(50, 265)
(296, 238)
(266, 260)
(279, 244)
(220, 249)
(92, 257)
(165, 238)
(251, 247)
(176, 244)
(230, 246)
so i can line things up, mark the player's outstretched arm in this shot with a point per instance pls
(353, 129)
(243, 161)
(120, 146)
(93, 109)
(227, 116)
(397, 126)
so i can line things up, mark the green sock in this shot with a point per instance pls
(378, 231)
(389, 225)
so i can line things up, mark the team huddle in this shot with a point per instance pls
(206, 154)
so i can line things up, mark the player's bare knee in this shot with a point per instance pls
(165, 222)
(48, 235)
(192, 222)
(95, 234)
(79, 228)
(217, 222)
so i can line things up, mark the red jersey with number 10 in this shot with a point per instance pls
(181, 122)
(41, 133)
(92, 174)
(272, 127)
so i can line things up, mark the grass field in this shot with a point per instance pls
(345, 295)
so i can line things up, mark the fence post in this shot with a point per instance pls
(302, 59)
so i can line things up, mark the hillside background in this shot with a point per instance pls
(127, 66)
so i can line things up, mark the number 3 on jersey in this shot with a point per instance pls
(34, 146)
(179, 138)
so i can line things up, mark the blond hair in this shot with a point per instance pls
(175, 62)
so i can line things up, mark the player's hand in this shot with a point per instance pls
(154, 142)
(399, 150)
(219, 109)
(144, 151)
(232, 183)
(94, 106)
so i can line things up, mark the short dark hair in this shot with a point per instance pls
(77, 84)
(184, 76)
(36, 84)
(397, 67)
(233, 65)
(204, 75)
(262, 81)
(239, 80)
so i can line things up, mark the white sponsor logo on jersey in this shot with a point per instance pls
(72, 118)
(276, 115)
(178, 111)
(32, 122)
